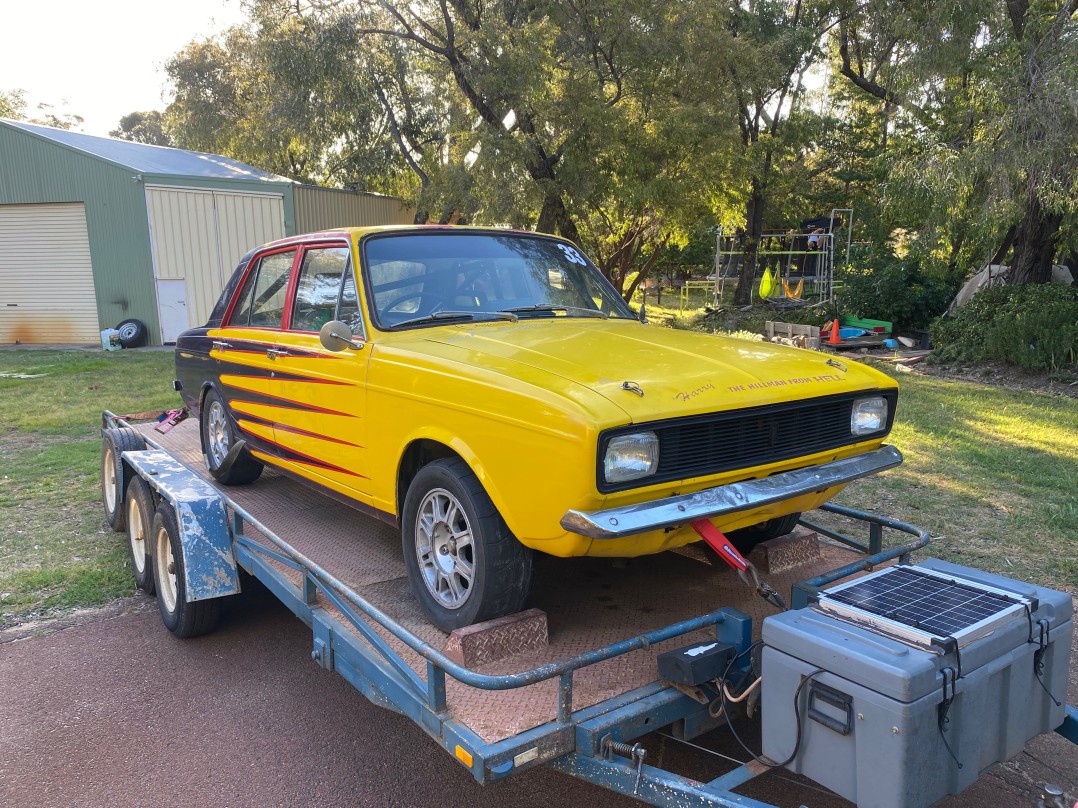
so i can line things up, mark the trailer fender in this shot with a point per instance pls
(205, 538)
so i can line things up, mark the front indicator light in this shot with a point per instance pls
(869, 415)
(630, 457)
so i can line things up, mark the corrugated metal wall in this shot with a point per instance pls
(46, 275)
(34, 171)
(327, 208)
(199, 236)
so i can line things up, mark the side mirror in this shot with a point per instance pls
(336, 336)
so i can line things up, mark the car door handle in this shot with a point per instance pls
(221, 346)
(273, 353)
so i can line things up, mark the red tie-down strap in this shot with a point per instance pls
(718, 542)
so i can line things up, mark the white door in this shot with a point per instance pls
(46, 277)
(172, 308)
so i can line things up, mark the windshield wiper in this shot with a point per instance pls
(567, 309)
(448, 314)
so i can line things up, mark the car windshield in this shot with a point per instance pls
(412, 276)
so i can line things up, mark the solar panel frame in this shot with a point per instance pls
(922, 606)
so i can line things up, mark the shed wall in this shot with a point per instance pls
(35, 171)
(327, 208)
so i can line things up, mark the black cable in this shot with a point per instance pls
(765, 761)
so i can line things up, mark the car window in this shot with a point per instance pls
(318, 287)
(270, 290)
(348, 308)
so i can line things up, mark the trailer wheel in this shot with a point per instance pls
(114, 442)
(139, 504)
(218, 438)
(464, 564)
(748, 537)
(184, 619)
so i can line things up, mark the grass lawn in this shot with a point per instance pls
(991, 472)
(56, 553)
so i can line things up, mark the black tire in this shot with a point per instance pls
(748, 537)
(139, 513)
(219, 435)
(132, 333)
(114, 442)
(183, 618)
(500, 566)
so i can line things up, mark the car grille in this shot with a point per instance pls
(709, 444)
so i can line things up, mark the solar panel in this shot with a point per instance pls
(918, 604)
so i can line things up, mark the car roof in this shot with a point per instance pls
(354, 234)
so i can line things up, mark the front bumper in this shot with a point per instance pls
(627, 520)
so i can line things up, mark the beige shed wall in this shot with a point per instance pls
(327, 208)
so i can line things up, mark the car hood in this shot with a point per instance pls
(651, 372)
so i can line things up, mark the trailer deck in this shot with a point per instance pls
(590, 603)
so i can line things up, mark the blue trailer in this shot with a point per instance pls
(585, 713)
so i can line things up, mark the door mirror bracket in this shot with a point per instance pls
(336, 336)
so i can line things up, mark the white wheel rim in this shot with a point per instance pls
(217, 437)
(444, 546)
(108, 477)
(136, 535)
(166, 569)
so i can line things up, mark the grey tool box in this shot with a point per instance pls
(880, 664)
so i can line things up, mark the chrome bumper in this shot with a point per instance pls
(628, 520)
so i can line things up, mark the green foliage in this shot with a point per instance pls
(879, 285)
(1031, 326)
(143, 127)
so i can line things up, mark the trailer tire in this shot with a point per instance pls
(114, 442)
(183, 618)
(140, 511)
(464, 564)
(219, 435)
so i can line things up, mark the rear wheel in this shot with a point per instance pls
(140, 512)
(183, 618)
(464, 564)
(114, 442)
(219, 439)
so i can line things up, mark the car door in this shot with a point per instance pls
(320, 428)
(244, 348)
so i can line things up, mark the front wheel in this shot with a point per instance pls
(114, 442)
(748, 537)
(183, 618)
(219, 439)
(464, 564)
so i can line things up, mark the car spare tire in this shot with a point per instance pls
(132, 333)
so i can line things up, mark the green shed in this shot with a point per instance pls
(94, 231)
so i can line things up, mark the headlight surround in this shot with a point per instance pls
(630, 457)
(869, 415)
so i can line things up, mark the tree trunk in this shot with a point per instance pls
(554, 218)
(1035, 243)
(754, 227)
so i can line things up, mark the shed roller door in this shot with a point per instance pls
(46, 276)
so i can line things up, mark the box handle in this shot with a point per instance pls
(833, 698)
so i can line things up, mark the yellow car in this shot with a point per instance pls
(490, 393)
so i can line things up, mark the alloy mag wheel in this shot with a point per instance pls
(445, 549)
(218, 434)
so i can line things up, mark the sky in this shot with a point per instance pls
(104, 59)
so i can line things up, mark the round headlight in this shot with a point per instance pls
(869, 415)
(630, 457)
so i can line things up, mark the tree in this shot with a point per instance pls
(13, 105)
(143, 127)
(980, 98)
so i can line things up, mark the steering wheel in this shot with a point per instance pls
(398, 306)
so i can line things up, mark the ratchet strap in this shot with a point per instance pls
(725, 549)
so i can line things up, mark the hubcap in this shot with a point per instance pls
(166, 569)
(108, 477)
(444, 547)
(217, 437)
(136, 535)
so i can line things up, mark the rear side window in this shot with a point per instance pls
(318, 287)
(262, 299)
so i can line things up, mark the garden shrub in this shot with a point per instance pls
(879, 285)
(1033, 326)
